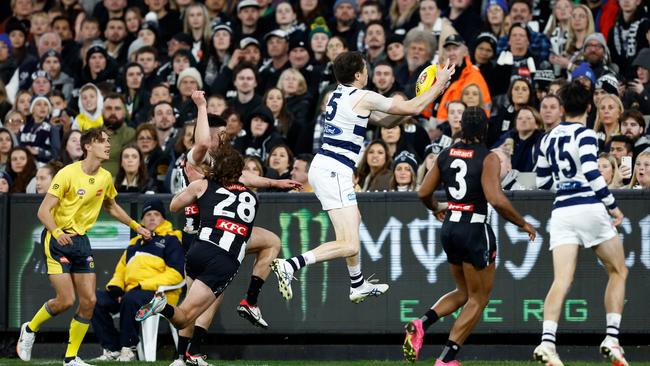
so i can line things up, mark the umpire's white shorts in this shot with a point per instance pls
(333, 189)
(586, 225)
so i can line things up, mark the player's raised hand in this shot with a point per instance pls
(617, 215)
(288, 184)
(198, 96)
(443, 74)
(146, 234)
(532, 234)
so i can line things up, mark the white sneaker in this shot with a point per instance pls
(284, 272)
(547, 355)
(178, 362)
(251, 313)
(127, 354)
(25, 343)
(368, 288)
(612, 350)
(76, 362)
(107, 355)
(196, 360)
(154, 306)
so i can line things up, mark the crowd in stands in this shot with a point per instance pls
(266, 65)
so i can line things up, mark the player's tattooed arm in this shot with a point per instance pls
(491, 183)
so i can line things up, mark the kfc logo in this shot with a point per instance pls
(232, 227)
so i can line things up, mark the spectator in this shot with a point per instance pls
(641, 177)
(261, 135)
(298, 100)
(189, 81)
(538, 45)
(606, 84)
(274, 99)
(403, 15)
(383, 79)
(494, 18)
(300, 171)
(638, 91)
(116, 39)
(466, 73)
(280, 162)
(420, 47)
(147, 57)
(135, 96)
(132, 175)
(551, 111)
(164, 121)
(108, 9)
(181, 60)
(287, 19)
(217, 104)
(114, 115)
(484, 58)
(5, 106)
(597, 54)
(473, 97)
(71, 147)
(41, 182)
(41, 83)
(627, 37)
(23, 102)
(36, 133)
(345, 23)
(133, 18)
(319, 36)
(610, 109)
(558, 26)
(196, 23)
(520, 94)
(21, 168)
(7, 61)
(632, 125)
(91, 105)
(622, 146)
(99, 67)
(51, 63)
(17, 33)
(585, 75)
(156, 161)
(309, 11)
(300, 59)
(431, 153)
(374, 167)
(5, 182)
(183, 144)
(432, 21)
(404, 178)
(581, 26)
(251, 52)
(252, 164)
(374, 42)
(14, 122)
(245, 81)
(525, 136)
(218, 53)
(277, 47)
(169, 20)
(248, 13)
(6, 144)
(144, 266)
(610, 171)
(452, 127)
(335, 46)
(235, 127)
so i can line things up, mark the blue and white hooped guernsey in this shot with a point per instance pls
(344, 130)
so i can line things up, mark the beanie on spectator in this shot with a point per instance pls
(500, 3)
(6, 176)
(50, 53)
(584, 70)
(353, 3)
(642, 59)
(97, 48)
(408, 158)
(245, 42)
(609, 83)
(15, 24)
(263, 112)
(433, 148)
(488, 37)
(396, 37)
(153, 205)
(4, 38)
(192, 73)
(600, 39)
(135, 46)
(543, 78)
(319, 26)
(35, 99)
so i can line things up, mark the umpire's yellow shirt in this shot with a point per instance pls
(80, 197)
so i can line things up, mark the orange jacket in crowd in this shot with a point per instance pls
(469, 75)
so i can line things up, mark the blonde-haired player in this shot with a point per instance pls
(69, 209)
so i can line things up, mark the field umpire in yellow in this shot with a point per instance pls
(69, 209)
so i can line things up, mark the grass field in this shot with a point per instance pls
(14, 362)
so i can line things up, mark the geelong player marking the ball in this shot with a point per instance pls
(581, 217)
(330, 174)
(470, 173)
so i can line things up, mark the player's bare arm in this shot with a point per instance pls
(252, 180)
(428, 187)
(120, 215)
(492, 187)
(44, 214)
(189, 195)
(202, 129)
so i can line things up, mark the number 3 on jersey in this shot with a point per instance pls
(245, 208)
(459, 193)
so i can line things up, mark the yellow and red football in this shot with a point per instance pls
(426, 79)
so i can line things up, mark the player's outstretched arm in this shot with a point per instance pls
(188, 196)
(491, 184)
(45, 215)
(429, 185)
(252, 180)
(120, 215)
(202, 129)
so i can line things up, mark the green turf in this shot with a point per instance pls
(14, 362)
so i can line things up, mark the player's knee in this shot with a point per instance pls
(63, 303)
(620, 270)
(480, 300)
(350, 249)
(88, 303)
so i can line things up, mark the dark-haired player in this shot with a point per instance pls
(581, 217)
(330, 173)
(470, 174)
(69, 209)
(227, 209)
